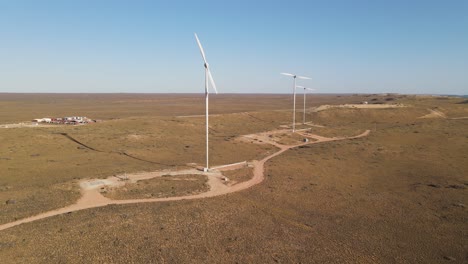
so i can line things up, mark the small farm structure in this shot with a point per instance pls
(69, 120)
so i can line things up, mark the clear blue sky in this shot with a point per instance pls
(349, 46)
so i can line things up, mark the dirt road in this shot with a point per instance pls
(92, 198)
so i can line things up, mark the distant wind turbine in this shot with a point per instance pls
(294, 92)
(208, 78)
(308, 89)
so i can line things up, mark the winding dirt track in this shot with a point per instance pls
(92, 198)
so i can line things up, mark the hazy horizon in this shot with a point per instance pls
(299, 93)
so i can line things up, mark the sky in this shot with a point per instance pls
(348, 46)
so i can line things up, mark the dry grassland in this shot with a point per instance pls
(159, 187)
(396, 196)
(239, 175)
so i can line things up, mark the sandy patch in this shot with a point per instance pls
(358, 106)
(25, 124)
(434, 114)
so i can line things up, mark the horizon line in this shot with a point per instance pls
(181, 93)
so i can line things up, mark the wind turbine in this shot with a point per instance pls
(294, 92)
(208, 78)
(308, 89)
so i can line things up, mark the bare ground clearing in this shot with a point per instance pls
(358, 106)
(92, 196)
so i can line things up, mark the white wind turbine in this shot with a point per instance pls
(294, 92)
(308, 89)
(209, 78)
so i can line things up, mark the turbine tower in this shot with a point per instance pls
(294, 96)
(308, 89)
(208, 78)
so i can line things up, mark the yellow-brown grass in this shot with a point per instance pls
(159, 187)
(398, 195)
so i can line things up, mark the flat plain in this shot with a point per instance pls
(398, 195)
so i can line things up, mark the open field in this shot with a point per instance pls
(24, 107)
(397, 195)
(240, 175)
(159, 187)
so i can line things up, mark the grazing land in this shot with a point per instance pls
(159, 187)
(398, 194)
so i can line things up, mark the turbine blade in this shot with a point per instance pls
(201, 48)
(298, 86)
(303, 77)
(212, 81)
(310, 89)
(287, 74)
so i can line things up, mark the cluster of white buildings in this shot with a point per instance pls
(69, 120)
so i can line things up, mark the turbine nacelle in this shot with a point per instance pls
(295, 76)
(207, 66)
(305, 88)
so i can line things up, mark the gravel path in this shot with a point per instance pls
(92, 198)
